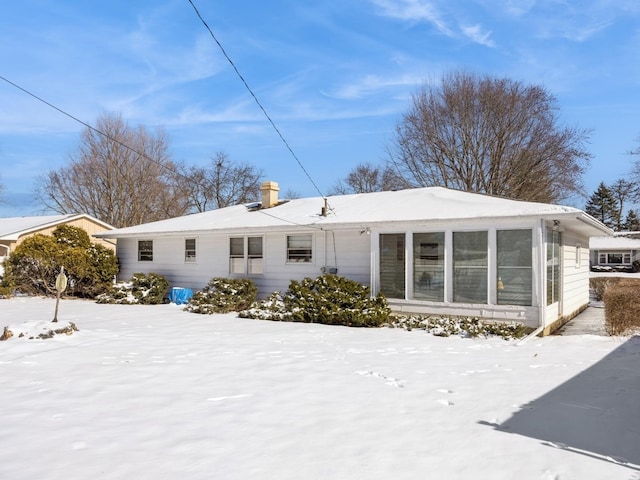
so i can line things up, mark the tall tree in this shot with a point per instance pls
(122, 175)
(220, 184)
(602, 206)
(623, 191)
(367, 178)
(632, 222)
(489, 135)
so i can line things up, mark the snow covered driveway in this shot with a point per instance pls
(152, 392)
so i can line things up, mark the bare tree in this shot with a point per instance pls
(366, 178)
(623, 191)
(220, 184)
(122, 175)
(489, 135)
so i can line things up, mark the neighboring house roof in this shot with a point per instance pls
(614, 243)
(366, 209)
(12, 228)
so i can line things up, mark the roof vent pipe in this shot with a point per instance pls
(325, 209)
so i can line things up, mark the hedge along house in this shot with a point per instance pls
(428, 250)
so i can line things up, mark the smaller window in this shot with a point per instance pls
(190, 250)
(145, 250)
(578, 255)
(236, 255)
(299, 248)
(602, 258)
(254, 247)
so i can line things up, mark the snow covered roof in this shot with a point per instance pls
(11, 228)
(366, 209)
(614, 243)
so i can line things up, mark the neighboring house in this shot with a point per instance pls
(14, 230)
(616, 253)
(428, 250)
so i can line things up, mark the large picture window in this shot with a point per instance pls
(514, 282)
(299, 248)
(470, 267)
(614, 258)
(145, 250)
(428, 266)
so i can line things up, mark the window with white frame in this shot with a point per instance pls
(515, 267)
(614, 258)
(236, 255)
(299, 248)
(254, 255)
(578, 255)
(145, 250)
(470, 267)
(190, 250)
(252, 262)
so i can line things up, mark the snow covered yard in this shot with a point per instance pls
(153, 392)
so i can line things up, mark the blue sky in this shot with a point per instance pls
(334, 75)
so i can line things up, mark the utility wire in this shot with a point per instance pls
(91, 127)
(254, 97)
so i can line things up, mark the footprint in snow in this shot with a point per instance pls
(445, 402)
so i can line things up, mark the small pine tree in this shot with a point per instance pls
(602, 206)
(632, 222)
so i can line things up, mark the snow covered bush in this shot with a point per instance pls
(33, 266)
(223, 295)
(622, 307)
(147, 289)
(327, 299)
(462, 326)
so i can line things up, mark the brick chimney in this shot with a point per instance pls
(269, 194)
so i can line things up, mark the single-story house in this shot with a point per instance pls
(428, 250)
(617, 253)
(14, 230)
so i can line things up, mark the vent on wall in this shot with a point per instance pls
(331, 270)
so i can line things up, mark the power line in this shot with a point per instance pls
(254, 97)
(91, 127)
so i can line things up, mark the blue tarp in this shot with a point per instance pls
(180, 295)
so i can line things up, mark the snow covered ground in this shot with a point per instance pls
(153, 392)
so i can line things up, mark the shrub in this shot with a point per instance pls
(223, 295)
(462, 326)
(328, 299)
(34, 265)
(622, 307)
(599, 286)
(146, 289)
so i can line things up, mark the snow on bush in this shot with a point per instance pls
(462, 326)
(223, 295)
(147, 289)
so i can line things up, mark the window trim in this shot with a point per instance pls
(142, 253)
(306, 259)
(248, 261)
(190, 258)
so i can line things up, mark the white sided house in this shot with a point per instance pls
(428, 250)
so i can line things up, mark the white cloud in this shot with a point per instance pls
(477, 35)
(413, 10)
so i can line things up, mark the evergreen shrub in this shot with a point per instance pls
(445, 326)
(143, 288)
(328, 299)
(33, 266)
(223, 295)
